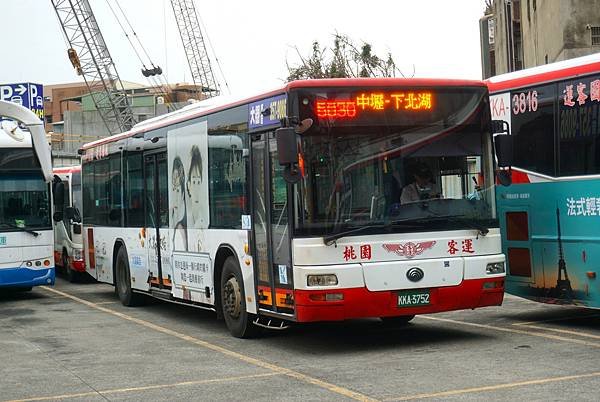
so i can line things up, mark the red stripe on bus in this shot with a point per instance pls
(362, 303)
(541, 78)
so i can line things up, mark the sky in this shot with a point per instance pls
(252, 40)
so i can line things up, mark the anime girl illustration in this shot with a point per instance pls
(194, 183)
(179, 210)
(194, 190)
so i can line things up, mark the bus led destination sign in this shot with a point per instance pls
(374, 101)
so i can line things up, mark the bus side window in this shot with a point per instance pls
(134, 191)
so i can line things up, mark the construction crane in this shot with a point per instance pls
(194, 47)
(90, 57)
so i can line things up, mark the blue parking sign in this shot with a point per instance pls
(25, 94)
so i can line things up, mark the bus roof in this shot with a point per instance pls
(546, 73)
(215, 104)
(67, 169)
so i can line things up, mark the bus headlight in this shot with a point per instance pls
(494, 268)
(321, 280)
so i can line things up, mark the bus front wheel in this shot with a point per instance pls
(123, 281)
(233, 301)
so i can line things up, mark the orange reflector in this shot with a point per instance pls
(591, 274)
(326, 296)
(493, 285)
(317, 297)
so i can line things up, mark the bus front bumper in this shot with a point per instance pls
(344, 304)
(24, 277)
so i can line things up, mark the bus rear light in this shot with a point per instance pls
(38, 263)
(46, 263)
(28, 264)
(321, 280)
(591, 274)
(494, 268)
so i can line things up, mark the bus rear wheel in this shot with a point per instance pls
(123, 281)
(72, 276)
(233, 301)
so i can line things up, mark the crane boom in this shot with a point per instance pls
(194, 46)
(90, 57)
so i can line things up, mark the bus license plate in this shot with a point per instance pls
(413, 298)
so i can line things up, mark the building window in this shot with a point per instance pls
(48, 118)
(595, 36)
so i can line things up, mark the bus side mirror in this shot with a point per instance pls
(57, 216)
(503, 144)
(59, 195)
(77, 228)
(503, 147)
(72, 213)
(287, 152)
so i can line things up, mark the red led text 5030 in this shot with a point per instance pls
(409, 101)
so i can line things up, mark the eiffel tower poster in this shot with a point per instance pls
(563, 288)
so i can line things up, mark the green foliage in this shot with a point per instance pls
(343, 60)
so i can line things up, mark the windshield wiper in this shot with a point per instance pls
(12, 225)
(472, 223)
(330, 239)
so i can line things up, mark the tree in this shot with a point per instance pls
(344, 60)
(489, 7)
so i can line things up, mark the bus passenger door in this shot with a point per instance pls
(272, 257)
(157, 220)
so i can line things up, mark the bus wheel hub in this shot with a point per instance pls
(232, 298)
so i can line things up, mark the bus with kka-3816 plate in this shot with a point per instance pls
(323, 200)
(551, 213)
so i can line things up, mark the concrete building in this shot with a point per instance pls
(529, 33)
(73, 120)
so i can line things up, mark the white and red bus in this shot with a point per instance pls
(322, 200)
(68, 240)
(551, 213)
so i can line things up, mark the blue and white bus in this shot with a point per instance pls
(26, 238)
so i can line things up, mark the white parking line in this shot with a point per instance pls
(248, 359)
(515, 331)
(494, 387)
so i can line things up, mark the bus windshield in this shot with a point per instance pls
(24, 195)
(396, 172)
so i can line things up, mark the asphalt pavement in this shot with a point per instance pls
(76, 342)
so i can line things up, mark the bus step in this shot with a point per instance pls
(161, 294)
(271, 323)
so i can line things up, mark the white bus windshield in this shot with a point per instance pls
(24, 200)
